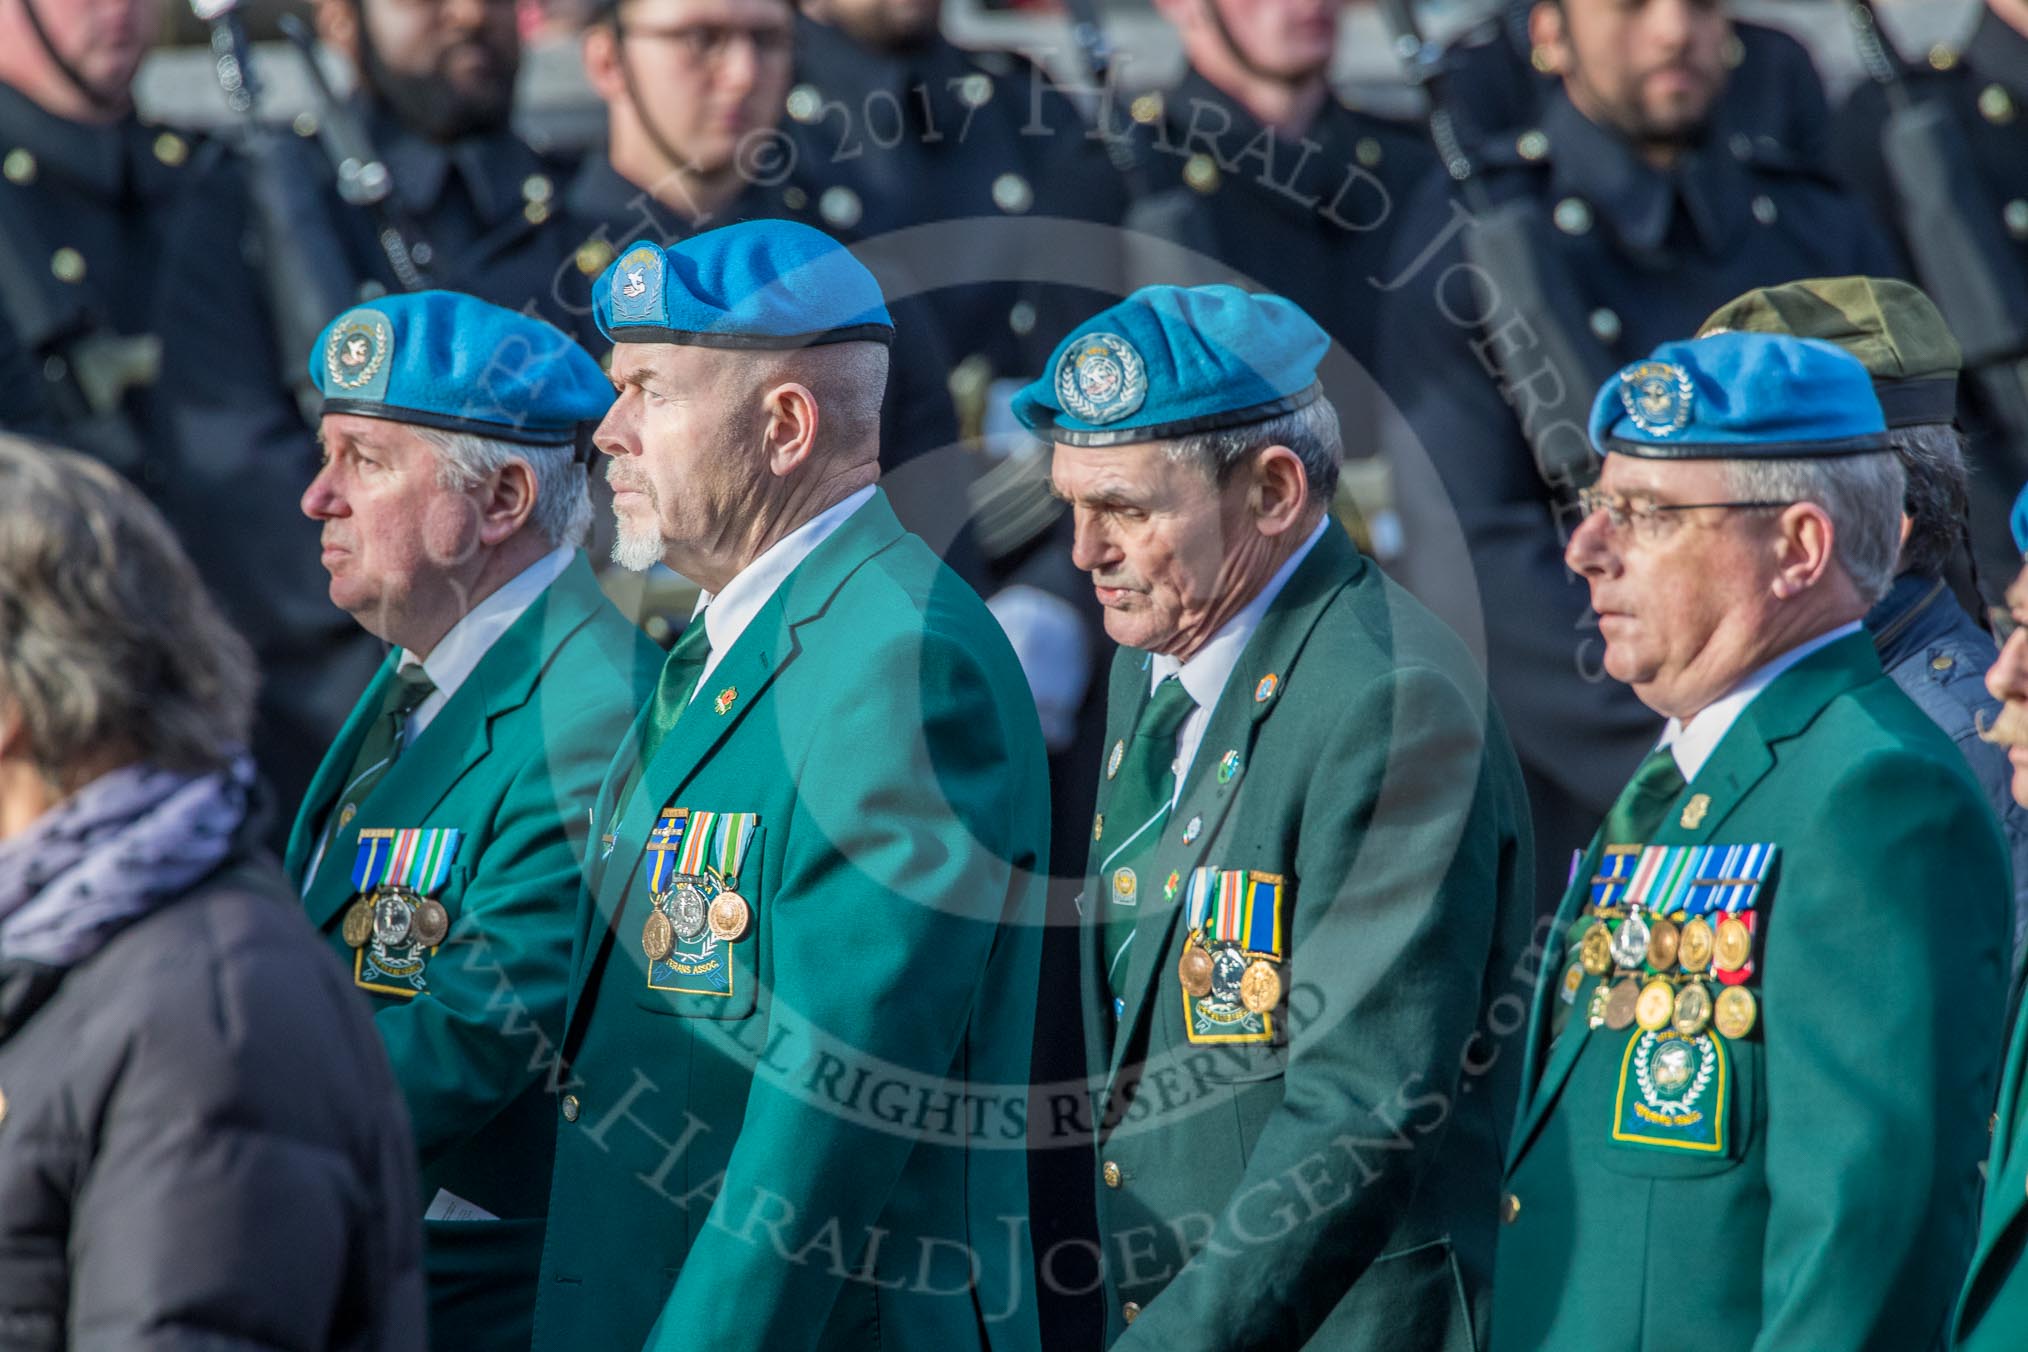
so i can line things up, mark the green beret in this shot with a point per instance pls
(1893, 329)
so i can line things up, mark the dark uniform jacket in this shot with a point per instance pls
(1639, 256)
(1982, 91)
(1324, 1174)
(84, 213)
(241, 447)
(202, 1145)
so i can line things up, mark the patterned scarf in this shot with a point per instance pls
(122, 845)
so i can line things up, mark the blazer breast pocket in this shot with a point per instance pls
(1683, 1107)
(694, 913)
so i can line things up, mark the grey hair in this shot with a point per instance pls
(109, 644)
(1312, 432)
(1939, 494)
(1862, 494)
(563, 510)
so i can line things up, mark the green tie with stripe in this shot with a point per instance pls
(681, 671)
(1143, 797)
(1644, 802)
(382, 746)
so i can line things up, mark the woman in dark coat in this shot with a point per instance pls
(201, 1145)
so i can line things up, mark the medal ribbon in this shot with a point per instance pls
(1264, 917)
(1235, 906)
(665, 841)
(1615, 872)
(1729, 877)
(696, 844)
(735, 832)
(416, 858)
(371, 865)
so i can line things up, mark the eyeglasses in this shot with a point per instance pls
(1647, 517)
(706, 44)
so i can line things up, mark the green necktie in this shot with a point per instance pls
(1645, 801)
(681, 671)
(377, 754)
(1142, 799)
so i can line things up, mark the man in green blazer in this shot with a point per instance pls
(442, 843)
(804, 983)
(1992, 1312)
(1309, 870)
(1760, 1058)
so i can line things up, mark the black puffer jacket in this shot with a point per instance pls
(201, 1145)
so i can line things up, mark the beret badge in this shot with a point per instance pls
(358, 349)
(1101, 379)
(1657, 396)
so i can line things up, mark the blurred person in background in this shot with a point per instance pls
(85, 207)
(203, 1144)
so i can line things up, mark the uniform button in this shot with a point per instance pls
(19, 166)
(1532, 145)
(1942, 662)
(2015, 214)
(1764, 210)
(570, 1107)
(1130, 1311)
(1111, 1174)
(1510, 1208)
(1146, 110)
(67, 264)
(1201, 173)
(1572, 216)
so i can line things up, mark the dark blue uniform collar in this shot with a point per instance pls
(1917, 613)
(1707, 193)
(103, 159)
(600, 194)
(490, 167)
(1998, 53)
(1335, 132)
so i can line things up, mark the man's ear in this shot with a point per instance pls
(1281, 490)
(508, 502)
(1548, 37)
(791, 430)
(602, 70)
(1805, 545)
(338, 28)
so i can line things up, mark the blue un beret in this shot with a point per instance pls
(1740, 396)
(447, 360)
(1169, 361)
(757, 284)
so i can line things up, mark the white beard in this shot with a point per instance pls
(636, 549)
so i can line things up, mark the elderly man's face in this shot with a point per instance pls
(2008, 683)
(1679, 595)
(686, 456)
(1167, 548)
(393, 533)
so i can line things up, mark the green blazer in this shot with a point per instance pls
(1324, 1176)
(812, 1137)
(512, 760)
(1830, 1199)
(1992, 1312)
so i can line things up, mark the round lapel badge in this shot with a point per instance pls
(1113, 761)
(1265, 691)
(1101, 378)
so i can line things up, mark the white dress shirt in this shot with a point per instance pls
(459, 652)
(1205, 674)
(1692, 743)
(728, 613)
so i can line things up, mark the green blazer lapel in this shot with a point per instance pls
(1787, 707)
(460, 736)
(329, 780)
(1126, 697)
(737, 684)
(1252, 692)
(2006, 1194)
(1563, 1052)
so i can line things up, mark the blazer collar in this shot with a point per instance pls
(1258, 685)
(1785, 710)
(458, 738)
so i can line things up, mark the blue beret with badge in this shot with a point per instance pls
(1740, 396)
(454, 362)
(757, 284)
(1171, 361)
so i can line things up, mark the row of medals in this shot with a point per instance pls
(726, 915)
(1260, 986)
(395, 916)
(1679, 999)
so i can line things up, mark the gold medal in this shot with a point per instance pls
(1736, 1012)
(1193, 969)
(1734, 945)
(432, 922)
(658, 936)
(1663, 941)
(1595, 950)
(1694, 943)
(729, 916)
(1620, 1004)
(1693, 1009)
(358, 927)
(1260, 986)
(1655, 1006)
